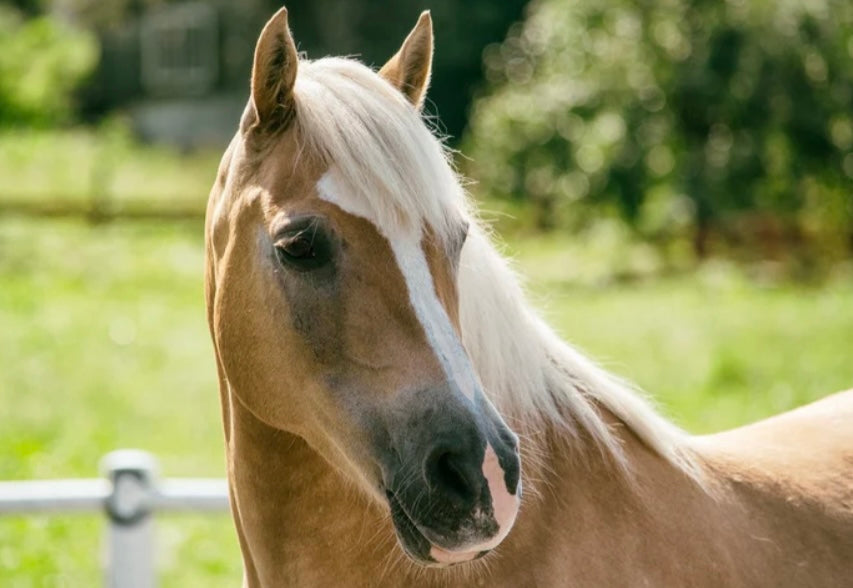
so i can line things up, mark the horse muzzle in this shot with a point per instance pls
(463, 501)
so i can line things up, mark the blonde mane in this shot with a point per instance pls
(398, 170)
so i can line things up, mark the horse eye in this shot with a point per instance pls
(303, 250)
(298, 248)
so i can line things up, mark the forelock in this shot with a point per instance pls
(378, 147)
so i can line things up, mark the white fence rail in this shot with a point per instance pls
(129, 494)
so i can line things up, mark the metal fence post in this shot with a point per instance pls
(130, 539)
(130, 496)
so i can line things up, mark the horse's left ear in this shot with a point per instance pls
(409, 69)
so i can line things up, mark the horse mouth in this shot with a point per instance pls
(417, 547)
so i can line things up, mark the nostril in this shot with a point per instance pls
(447, 474)
(450, 476)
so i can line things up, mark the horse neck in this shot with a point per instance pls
(299, 521)
(585, 515)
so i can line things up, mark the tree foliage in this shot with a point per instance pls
(41, 64)
(373, 31)
(369, 30)
(675, 115)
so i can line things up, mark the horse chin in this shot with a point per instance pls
(420, 549)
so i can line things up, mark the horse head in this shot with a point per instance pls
(336, 232)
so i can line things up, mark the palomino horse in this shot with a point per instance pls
(373, 348)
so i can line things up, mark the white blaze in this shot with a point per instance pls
(412, 262)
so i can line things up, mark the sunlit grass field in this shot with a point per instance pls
(103, 344)
(79, 165)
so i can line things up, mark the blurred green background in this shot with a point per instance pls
(674, 180)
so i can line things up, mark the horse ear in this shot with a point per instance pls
(273, 75)
(409, 70)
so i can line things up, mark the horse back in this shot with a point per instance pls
(793, 473)
(808, 450)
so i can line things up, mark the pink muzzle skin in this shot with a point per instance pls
(504, 504)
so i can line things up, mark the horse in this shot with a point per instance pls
(396, 414)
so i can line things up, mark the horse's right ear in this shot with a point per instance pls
(273, 75)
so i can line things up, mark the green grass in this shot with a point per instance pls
(77, 165)
(717, 347)
(104, 344)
